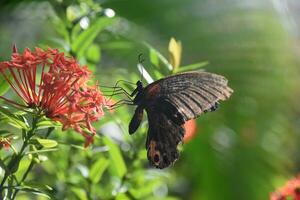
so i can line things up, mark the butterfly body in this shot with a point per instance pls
(169, 103)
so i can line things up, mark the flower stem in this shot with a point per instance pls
(23, 178)
(13, 163)
(32, 163)
(16, 158)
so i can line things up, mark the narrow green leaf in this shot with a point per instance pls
(87, 37)
(118, 45)
(47, 143)
(46, 123)
(97, 169)
(4, 86)
(34, 156)
(158, 75)
(3, 166)
(76, 146)
(23, 119)
(191, 67)
(33, 191)
(153, 57)
(80, 193)
(13, 119)
(41, 151)
(13, 167)
(117, 165)
(5, 133)
(93, 53)
(122, 196)
(153, 51)
(10, 189)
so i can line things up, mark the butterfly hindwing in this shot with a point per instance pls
(163, 137)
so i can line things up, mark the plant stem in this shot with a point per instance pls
(11, 165)
(23, 178)
(32, 163)
(16, 158)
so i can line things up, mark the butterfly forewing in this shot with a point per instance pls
(190, 93)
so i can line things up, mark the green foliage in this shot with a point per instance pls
(47, 143)
(242, 151)
(13, 119)
(118, 167)
(98, 169)
(85, 39)
(4, 86)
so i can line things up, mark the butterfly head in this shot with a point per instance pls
(138, 92)
(139, 85)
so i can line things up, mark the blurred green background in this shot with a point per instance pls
(245, 150)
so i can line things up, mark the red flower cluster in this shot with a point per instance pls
(5, 142)
(291, 190)
(60, 91)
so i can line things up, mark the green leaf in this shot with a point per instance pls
(3, 166)
(4, 86)
(5, 133)
(76, 146)
(158, 75)
(154, 58)
(118, 45)
(93, 53)
(23, 119)
(47, 143)
(41, 151)
(97, 169)
(46, 123)
(33, 191)
(122, 196)
(13, 119)
(164, 198)
(117, 165)
(191, 67)
(13, 167)
(10, 189)
(155, 53)
(33, 156)
(87, 37)
(80, 193)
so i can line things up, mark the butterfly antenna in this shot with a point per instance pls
(141, 60)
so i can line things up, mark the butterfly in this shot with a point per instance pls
(169, 103)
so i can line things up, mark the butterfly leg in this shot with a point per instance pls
(121, 103)
(117, 88)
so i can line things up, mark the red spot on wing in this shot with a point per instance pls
(153, 90)
(153, 153)
(190, 130)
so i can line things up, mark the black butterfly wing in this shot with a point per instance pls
(170, 102)
(162, 139)
(185, 96)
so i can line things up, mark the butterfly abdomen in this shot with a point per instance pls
(136, 119)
